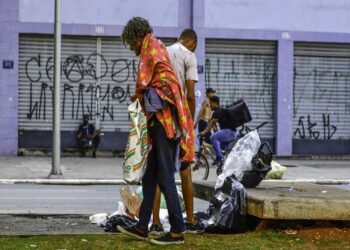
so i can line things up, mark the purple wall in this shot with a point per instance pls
(189, 14)
(284, 98)
(198, 25)
(296, 15)
(8, 77)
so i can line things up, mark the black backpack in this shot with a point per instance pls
(238, 113)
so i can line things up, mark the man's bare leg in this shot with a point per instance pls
(187, 191)
(156, 207)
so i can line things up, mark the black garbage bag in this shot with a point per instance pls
(265, 153)
(227, 210)
(119, 220)
(261, 165)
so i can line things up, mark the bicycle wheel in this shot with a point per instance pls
(200, 169)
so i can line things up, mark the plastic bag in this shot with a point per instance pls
(253, 177)
(136, 152)
(240, 157)
(131, 200)
(227, 210)
(94, 219)
(277, 171)
(162, 199)
(260, 167)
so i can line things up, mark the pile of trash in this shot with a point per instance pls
(128, 211)
(245, 167)
(248, 163)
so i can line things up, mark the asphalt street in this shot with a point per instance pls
(63, 199)
(27, 209)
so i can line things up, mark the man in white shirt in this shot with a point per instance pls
(185, 64)
(184, 61)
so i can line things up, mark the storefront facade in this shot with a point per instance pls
(290, 65)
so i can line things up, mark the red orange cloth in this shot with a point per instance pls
(156, 71)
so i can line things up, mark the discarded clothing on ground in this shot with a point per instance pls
(227, 210)
(127, 212)
(119, 220)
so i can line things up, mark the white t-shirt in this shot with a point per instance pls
(184, 62)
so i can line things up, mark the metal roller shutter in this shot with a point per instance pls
(36, 79)
(98, 74)
(245, 69)
(321, 91)
(118, 86)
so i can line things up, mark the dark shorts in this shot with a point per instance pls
(184, 166)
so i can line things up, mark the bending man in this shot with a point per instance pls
(156, 73)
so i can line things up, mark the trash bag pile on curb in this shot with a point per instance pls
(245, 167)
(261, 165)
(128, 211)
(227, 210)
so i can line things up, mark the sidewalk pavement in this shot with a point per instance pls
(109, 170)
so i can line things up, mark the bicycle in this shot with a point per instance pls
(201, 167)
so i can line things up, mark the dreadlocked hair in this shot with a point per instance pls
(136, 27)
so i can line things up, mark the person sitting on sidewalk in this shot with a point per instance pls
(226, 133)
(87, 136)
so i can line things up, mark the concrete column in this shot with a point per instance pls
(284, 98)
(198, 25)
(9, 77)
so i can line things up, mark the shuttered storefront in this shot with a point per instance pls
(98, 76)
(321, 92)
(36, 81)
(237, 69)
(119, 84)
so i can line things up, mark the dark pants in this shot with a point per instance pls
(81, 141)
(160, 170)
(201, 127)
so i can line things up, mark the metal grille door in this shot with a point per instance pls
(321, 92)
(245, 69)
(98, 76)
(36, 81)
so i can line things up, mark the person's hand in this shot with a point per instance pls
(133, 97)
(136, 96)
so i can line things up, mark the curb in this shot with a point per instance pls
(69, 181)
(122, 182)
(314, 181)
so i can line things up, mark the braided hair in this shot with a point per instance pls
(136, 27)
